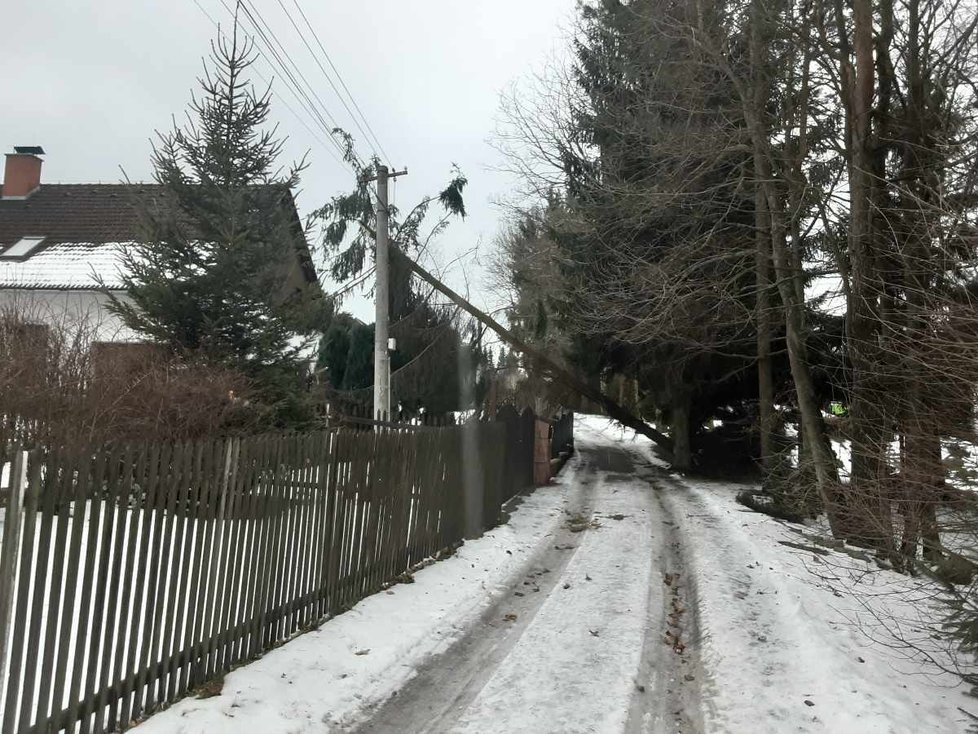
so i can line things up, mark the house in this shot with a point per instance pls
(58, 242)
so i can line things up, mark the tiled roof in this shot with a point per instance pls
(76, 220)
(90, 213)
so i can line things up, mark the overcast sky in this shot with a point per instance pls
(90, 80)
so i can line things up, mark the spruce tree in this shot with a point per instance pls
(208, 277)
(428, 336)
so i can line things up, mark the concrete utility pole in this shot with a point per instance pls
(382, 357)
(382, 361)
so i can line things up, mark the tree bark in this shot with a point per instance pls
(765, 377)
(682, 452)
(865, 416)
(923, 466)
(787, 276)
(812, 423)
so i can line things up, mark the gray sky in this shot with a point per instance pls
(90, 80)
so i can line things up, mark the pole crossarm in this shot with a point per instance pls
(389, 175)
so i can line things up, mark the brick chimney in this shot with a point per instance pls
(22, 172)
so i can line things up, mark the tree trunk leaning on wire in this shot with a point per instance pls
(556, 371)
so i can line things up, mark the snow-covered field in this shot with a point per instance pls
(538, 628)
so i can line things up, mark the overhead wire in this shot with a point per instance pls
(275, 55)
(288, 79)
(332, 153)
(329, 79)
(271, 40)
(347, 149)
(285, 61)
(343, 84)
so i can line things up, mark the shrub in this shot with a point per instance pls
(58, 387)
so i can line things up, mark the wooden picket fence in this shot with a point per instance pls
(518, 464)
(132, 574)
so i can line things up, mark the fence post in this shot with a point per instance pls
(473, 478)
(541, 452)
(12, 524)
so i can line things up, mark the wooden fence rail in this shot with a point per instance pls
(134, 573)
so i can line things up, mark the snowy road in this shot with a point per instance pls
(577, 644)
(620, 599)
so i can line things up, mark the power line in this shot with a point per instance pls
(339, 77)
(329, 79)
(348, 148)
(281, 99)
(291, 84)
(274, 49)
(267, 35)
(276, 56)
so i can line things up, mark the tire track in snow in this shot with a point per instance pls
(574, 668)
(448, 682)
(670, 671)
(589, 651)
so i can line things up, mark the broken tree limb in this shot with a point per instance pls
(556, 371)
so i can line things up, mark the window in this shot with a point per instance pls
(23, 248)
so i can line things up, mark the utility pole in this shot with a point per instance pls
(382, 362)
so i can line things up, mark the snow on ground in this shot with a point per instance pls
(788, 642)
(574, 667)
(576, 647)
(321, 680)
(788, 639)
(793, 640)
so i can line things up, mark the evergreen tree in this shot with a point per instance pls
(208, 277)
(428, 365)
(358, 373)
(334, 349)
(639, 262)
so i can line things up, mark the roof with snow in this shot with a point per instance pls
(82, 226)
(65, 266)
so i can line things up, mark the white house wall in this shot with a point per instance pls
(72, 310)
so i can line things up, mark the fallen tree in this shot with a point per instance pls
(541, 360)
